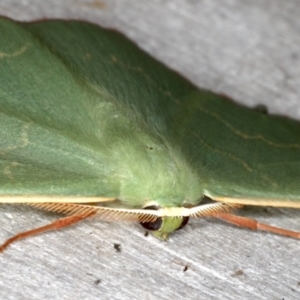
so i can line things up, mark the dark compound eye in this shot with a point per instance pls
(156, 225)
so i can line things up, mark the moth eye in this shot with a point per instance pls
(156, 225)
(159, 222)
(153, 226)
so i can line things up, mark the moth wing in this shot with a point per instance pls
(49, 124)
(242, 155)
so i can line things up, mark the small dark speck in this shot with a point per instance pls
(185, 268)
(146, 233)
(298, 283)
(97, 281)
(238, 273)
(117, 247)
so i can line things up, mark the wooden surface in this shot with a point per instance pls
(248, 50)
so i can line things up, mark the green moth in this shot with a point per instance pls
(91, 125)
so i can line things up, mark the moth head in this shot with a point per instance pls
(163, 226)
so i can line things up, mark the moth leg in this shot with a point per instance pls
(255, 225)
(58, 224)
